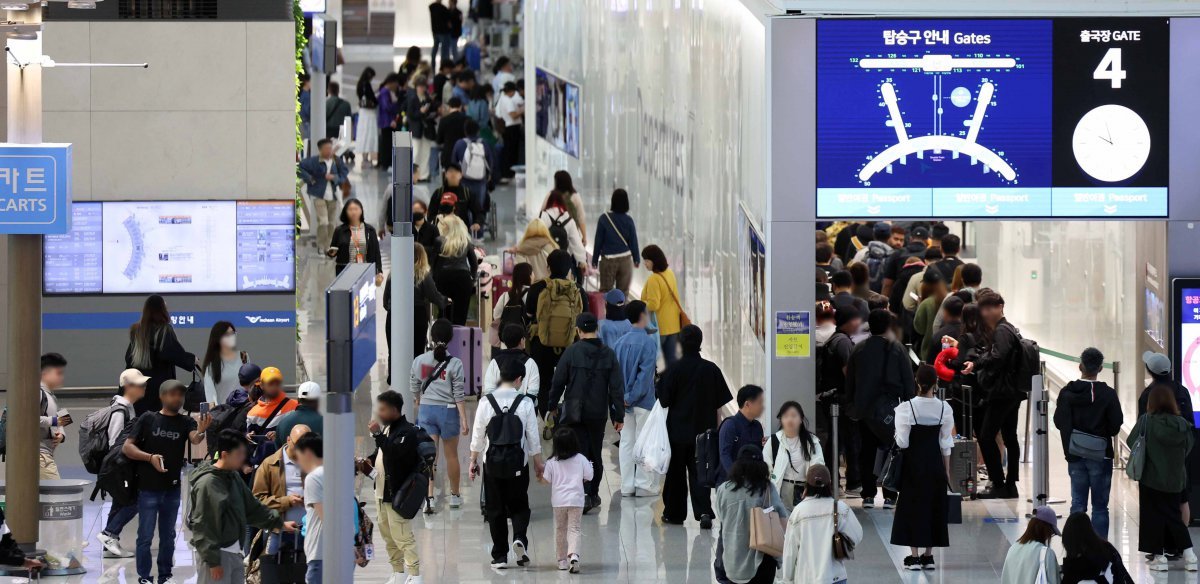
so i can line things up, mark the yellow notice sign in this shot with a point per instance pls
(792, 335)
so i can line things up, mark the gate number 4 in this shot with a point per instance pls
(1110, 68)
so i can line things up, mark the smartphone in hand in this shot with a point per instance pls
(203, 409)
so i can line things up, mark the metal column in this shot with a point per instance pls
(402, 351)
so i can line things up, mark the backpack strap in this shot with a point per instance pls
(495, 406)
(615, 228)
(275, 412)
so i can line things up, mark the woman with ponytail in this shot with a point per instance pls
(439, 403)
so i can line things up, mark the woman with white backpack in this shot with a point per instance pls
(1030, 560)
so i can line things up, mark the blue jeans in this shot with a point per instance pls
(314, 572)
(1094, 476)
(118, 517)
(159, 508)
(448, 44)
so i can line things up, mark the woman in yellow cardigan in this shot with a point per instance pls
(661, 295)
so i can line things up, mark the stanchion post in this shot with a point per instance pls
(836, 467)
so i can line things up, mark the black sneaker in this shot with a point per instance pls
(590, 502)
(912, 564)
(868, 503)
(889, 503)
(667, 521)
(927, 562)
(706, 521)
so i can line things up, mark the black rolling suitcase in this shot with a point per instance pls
(964, 469)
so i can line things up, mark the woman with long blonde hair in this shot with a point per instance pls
(535, 248)
(455, 267)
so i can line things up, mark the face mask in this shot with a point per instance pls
(418, 217)
(229, 341)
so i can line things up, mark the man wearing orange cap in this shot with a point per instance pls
(263, 418)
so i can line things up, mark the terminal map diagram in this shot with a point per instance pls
(929, 104)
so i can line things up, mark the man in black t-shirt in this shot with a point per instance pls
(156, 446)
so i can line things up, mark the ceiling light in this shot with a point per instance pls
(14, 6)
(22, 36)
(85, 4)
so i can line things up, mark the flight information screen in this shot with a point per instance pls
(173, 247)
(1004, 118)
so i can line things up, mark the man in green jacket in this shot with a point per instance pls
(221, 508)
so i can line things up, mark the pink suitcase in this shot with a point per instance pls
(467, 345)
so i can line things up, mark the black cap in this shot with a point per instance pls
(586, 322)
(454, 102)
(451, 166)
(920, 232)
(931, 277)
(750, 452)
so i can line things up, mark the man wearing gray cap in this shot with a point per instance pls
(131, 388)
(589, 382)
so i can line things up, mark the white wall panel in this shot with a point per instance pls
(180, 155)
(275, 177)
(193, 66)
(267, 83)
(74, 127)
(672, 110)
(70, 88)
(212, 117)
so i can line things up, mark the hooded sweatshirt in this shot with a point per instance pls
(450, 386)
(1090, 407)
(535, 251)
(1168, 439)
(221, 508)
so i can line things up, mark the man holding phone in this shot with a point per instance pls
(156, 446)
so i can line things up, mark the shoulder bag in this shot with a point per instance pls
(843, 549)
(1137, 454)
(683, 317)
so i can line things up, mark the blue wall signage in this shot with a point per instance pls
(180, 320)
(992, 118)
(350, 325)
(35, 189)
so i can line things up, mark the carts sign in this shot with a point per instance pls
(35, 189)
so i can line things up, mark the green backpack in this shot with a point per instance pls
(557, 307)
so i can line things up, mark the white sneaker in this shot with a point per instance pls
(412, 580)
(112, 546)
(145, 581)
(562, 564)
(499, 564)
(1159, 564)
(645, 493)
(518, 549)
(397, 578)
(455, 501)
(169, 580)
(1189, 560)
(574, 564)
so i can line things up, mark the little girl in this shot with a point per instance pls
(566, 472)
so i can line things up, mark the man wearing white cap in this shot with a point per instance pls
(307, 412)
(132, 388)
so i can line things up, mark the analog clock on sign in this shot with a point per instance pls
(1111, 143)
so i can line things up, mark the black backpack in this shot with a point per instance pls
(829, 367)
(558, 231)
(708, 456)
(1028, 364)
(505, 433)
(410, 496)
(513, 312)
(224, 417)
(116, 476)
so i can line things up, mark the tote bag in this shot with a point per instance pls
(766, 529)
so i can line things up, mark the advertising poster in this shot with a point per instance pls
(557, 115)
(793, 334)
(752, 252)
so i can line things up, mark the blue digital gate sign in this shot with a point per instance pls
(351, 349)
(35, 189)
(992, 118)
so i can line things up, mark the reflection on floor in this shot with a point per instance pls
(624, 540)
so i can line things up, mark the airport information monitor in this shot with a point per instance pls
(993, 118)
(144, 247)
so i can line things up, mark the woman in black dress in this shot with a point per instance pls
(155, 351)
(925, 432)
(355, 241)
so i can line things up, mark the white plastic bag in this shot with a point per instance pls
(652, 448)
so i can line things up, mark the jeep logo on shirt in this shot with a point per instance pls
(160, 433)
